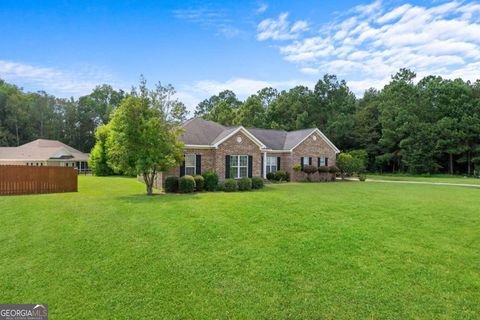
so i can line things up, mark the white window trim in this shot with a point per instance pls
(322, 161)
(269, 166)
(238, 166)
(194, 163)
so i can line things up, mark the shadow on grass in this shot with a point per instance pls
(157, 197)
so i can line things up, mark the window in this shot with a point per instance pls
(322, 161)
(306, 161)
(190, 164)
(271, 164)
(238, 167)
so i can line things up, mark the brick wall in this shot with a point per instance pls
(233, 147)
(311, 148)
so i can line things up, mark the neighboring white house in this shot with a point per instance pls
(43, 152)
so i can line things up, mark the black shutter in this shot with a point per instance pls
(182, 169)
(198, 163)
(278, 163)
(310, 161)
(318, 159)
(261, 170)
(227, 167)
(301, 162)
(250, 166)
(326, 162)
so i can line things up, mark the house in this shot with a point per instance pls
(236, 152)
(43, 152)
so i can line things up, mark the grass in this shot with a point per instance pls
(432, 178)
(290, 251)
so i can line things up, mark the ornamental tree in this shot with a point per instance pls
(142, 141)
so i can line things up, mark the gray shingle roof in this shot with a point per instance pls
(203, 132)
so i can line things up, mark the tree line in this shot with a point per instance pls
(425, 126)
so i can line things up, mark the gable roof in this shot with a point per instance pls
(199, 132)
(42, 149)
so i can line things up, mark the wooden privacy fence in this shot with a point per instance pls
(29, 180)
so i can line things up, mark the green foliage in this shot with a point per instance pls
(199, 183)
(257, 182)
(211, 180)
(281, 175)
(98, 161)
(186, 184)
(297, 167)
(309, 169)
(230, 185)
(323, 169)
(244, 184)
(142, 140)
(271, 175)
(171, 184)
(333, 169)
(362, 177)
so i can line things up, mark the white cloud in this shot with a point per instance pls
(75, 82)
(261, 8)
(279, 29)
(371, 42)
(209, 17)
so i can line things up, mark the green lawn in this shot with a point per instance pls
(291, 251)
(433, 178)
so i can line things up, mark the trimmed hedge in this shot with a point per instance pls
(271, 176)
(333, 169)
(211, 181)
(230, 185)
(281, 175)
(245, 184)
(199, 182)
(308, 169)
(323, 169)
(186, 184)
(257, 183)
(171, 184)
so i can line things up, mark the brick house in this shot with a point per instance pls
(236, 152)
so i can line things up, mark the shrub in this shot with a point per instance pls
(230, 185)
(245, 184)
(323, 169)
(308, 169)
(171, 184)
(257, 183)
(271, 176)
(281, 175)
(210, 180)
(333, 169)
(220, 187)
(362, 177)
(186, 184)
(199, 182)
(297, 167)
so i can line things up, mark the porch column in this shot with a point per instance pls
(265, 165)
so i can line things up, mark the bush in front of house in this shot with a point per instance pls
(309, 170)
(186, 184)
(281, 175)
(257, 183)
(211, 180)
(271, 176)
(230, 185)
(297, 167)
(171, 184)
(323, 169)
(333, 169)
(199, 182)
(244, 184)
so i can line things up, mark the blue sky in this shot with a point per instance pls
(68, 47)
